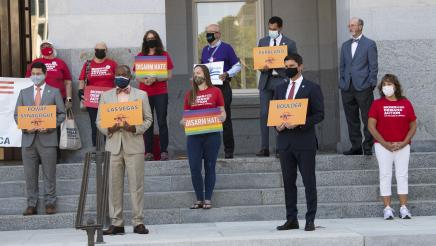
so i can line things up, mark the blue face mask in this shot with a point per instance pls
(122, 82)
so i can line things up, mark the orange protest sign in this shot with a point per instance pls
(36, 117)
(112, 113)
(292, 112)
(272, 56)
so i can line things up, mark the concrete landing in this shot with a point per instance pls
(419, 231)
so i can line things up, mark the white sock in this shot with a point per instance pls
(404, 206)
(388, 207)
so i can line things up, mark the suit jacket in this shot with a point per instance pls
(362, 68)
(264, 42)
(50, 96)
(302, 137)
(132, 143)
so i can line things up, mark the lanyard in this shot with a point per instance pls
(213, 53)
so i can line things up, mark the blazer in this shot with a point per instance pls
(302, 137)
(132, 143)
(264, 42)
(50, 96)
(362, 68)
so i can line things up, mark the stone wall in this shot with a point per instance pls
(405, 33)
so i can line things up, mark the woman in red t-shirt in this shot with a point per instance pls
(58, 74)
(101, 73)
(205, 146)
(392, 123)
(157, 95)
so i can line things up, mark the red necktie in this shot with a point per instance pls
(291, 92)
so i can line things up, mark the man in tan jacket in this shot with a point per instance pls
(126, 144)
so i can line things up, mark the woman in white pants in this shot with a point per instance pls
(392, 123)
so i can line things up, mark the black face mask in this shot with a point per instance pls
(291, 72)
(100, 53)
(151, 43)
(210, 36)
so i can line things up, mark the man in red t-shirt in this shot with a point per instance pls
(58, 74)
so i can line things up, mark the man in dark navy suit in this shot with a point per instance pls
(297, 144)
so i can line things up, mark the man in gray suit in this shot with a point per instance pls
(40, 144)
(271, 78)
(358, 78)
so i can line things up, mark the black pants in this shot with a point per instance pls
(92, 112)
(305, 161)
(228, 140)
(354, 101)
(158, 103)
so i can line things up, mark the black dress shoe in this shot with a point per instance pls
(353, 152)
(228, 155)
(114, 230)
(30, 211)
(310, 226)
(263, 153)
(289, 225)
(140, 229)
(367, 152)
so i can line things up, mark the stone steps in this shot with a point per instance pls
(219, 214)
(247, 189)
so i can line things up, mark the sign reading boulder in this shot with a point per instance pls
(202, 121)
(36, 117)
(112, 113)
(292, 112)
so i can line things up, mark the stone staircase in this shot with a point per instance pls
(247, 189)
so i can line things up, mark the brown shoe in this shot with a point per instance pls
(140, 229)
(263, 153)
(50, 209)
(114, 230)
(30, 211)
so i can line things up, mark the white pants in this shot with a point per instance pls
(385, 160)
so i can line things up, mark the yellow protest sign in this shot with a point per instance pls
(292, 112)
(272, 56)
(112, 113)
(36, 117)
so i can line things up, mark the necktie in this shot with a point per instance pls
(291, 92)
(275, 43)
(125, 90)
(356, 40)
(38, 96)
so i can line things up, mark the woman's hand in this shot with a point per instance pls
(182, 122)
(150, 81)
(389, 146)
(399, 145)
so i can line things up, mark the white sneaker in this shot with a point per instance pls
(388, 214)
(405, 213)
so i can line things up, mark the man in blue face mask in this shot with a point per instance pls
(271, 78)
(126, 144)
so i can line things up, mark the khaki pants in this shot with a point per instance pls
(134, 163)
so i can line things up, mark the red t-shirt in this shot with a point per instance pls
(393, 118)
(209, 98)
(57, 73)
(158, 87)
(100, 74)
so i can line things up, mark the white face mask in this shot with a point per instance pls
(273, 34)
(388, 90)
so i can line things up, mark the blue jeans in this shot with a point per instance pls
(203, 146)
(158, 103)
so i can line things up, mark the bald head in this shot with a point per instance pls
(213, 28)
(123, 70)
(101, 45)
(214, 31)
(355, 26)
